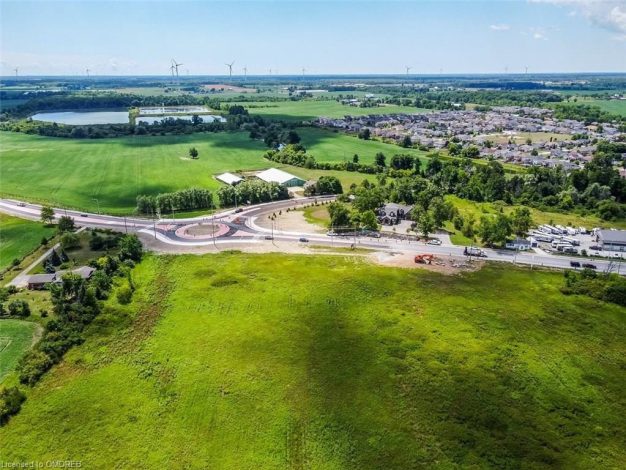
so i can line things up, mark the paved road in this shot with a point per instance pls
(248, 232)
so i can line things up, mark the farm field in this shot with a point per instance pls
(112, 172)
(328, 146)
(229, 363)
(16, 336)
(611, 106)
(18, 237)
(310, 109)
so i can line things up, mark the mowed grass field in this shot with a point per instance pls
(18, 237)
(327, 362)
(328, 146)
(305, 110)
(113, 172)
(16, 337)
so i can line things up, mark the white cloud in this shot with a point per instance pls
(499, 27)
(608, 14)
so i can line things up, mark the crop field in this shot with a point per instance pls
(112, 172)
(611, 106)
(18, 237)
(16, 336)
(328, 146)
(310, 109)
(276, 361)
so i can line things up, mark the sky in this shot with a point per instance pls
(48, 37)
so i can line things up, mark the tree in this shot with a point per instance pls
(130, 248)
(66, 224)
(47, 214)
(339, 215)
(11, 400)
(368, 220)
(494, 231)
(521, 221)
(355, 158)
(424, 221)
(379, 159)
(292, 137)
(406, 142)
(19, 308)
(193, 153)
(69, 240)
(365, 134)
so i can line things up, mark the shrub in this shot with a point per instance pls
(124, 295)
(11, 400)
(19, 308)
(32, 366)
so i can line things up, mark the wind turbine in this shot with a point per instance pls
(526, 70)
(174, 68)
(303, 71)
(408, 69)
(245, 73)
(16, 70)
(230, 69)
(87, 72)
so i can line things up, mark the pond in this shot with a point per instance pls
(83, 118)
(185, 117)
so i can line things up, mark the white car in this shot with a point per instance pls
(433, 241)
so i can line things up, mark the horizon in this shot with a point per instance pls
(324, 38)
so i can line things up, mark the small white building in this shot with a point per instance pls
(520, 244)
(274, 175)
(229, 178)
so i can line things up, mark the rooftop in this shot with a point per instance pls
(274, 175)
(612, 236)
(229, 178)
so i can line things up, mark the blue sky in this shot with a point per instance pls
(137, 37)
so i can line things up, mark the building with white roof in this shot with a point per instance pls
(274, 175)
(229, 178)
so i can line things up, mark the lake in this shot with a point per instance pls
(84, 117)
(186, 117)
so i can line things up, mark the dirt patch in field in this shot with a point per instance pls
(292, 221)
(441, 263)
(237, 89)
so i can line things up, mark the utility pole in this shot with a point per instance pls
(125, 226)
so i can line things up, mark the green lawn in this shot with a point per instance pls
(18, 237)
(311, 109)
(611, 106)
(328, 146)
(112, 172)
(276, 361)
(16, 337)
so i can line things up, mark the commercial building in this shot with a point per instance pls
(274, 175)
(612, 240)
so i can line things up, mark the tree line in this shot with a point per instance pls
(183, 200)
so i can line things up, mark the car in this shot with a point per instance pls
(574, 264)
(331, 233)
(433, 241)
(595, 247)
(304, 240)
(589, 266)
(269, 237)
(21, 204)
(238, 210)
(84, 215)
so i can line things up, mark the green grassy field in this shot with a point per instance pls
(328, 146)
(611, 106)
(18, 237)
(16, 336)
(311, 109)
(275, 361)
(112, 172)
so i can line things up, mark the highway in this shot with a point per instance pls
(241, 229)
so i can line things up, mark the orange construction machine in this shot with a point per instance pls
(424, 259)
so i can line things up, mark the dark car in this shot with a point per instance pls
(574, 264)
(595, 247)
(269, 237)
(589, 266)
(238, 210)
(304, 240)
(84, 215)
